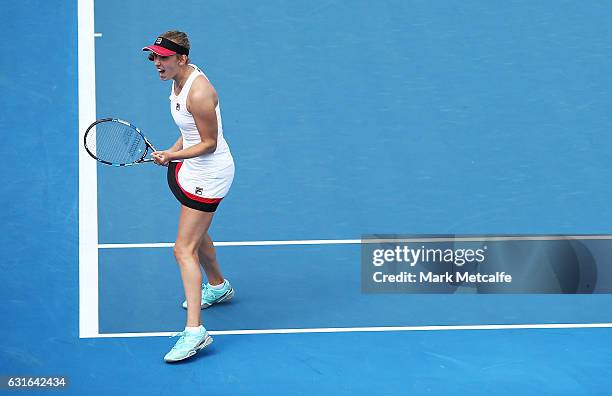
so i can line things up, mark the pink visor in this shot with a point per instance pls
(161, 51)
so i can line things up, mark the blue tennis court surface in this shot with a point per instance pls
(344, 119)
(326, 292)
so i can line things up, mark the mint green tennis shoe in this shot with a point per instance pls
(211, 296)
(188, 345)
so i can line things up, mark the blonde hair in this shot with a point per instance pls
(178, 37)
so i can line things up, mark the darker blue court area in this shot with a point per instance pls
(344, 119)
(279, 287)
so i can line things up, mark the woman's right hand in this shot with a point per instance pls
(161, 158)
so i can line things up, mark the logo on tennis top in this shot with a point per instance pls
(158, 41)
(198, 190)
(178, 106)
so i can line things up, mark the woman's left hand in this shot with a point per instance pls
(161, 157)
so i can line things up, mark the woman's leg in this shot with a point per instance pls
(193, 226)
(208, 261)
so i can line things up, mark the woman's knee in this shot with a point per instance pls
(184, 252)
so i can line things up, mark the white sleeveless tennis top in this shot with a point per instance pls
(209, 175)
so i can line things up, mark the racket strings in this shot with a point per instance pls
(116, 143)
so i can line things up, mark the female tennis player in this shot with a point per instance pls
(200, 173)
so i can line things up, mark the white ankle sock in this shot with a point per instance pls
(217, 287)
(194, 330)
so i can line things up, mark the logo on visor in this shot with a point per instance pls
(178, 107)
(198, 190)
(158, 41)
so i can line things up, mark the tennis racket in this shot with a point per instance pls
(116, 142)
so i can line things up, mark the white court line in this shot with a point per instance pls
(376, 329)
(367, 241)
(88, 195)
(240, 243)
